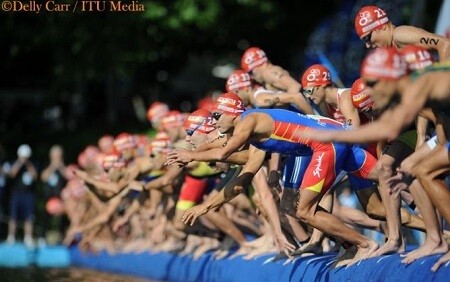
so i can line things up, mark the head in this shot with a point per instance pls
(360, 96)
(113, 164)
(125, 144)
(314, 81)
(370, 23)
(56, 153)
(105, 144)
(156, 111)
(380, 71)
(24, 151)
(160, 146)
(239, 82)
(225, 110)
(416, 57)
(252, 58)
(172, 124)
(197, 125)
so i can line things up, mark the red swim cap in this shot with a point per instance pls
(416, 57)
(237, 80)
(173, 119)
(360, 98)
(252, 58)
(229, 103)
(200, 120)
(124, 141)
(112, 160)
(384, 63)
(368, 19)
(316, 75)
(161, 145)
(156, 111)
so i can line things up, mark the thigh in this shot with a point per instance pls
(321, 171)
(360, 163)
(438, 161)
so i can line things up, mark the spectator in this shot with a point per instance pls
(23, 176)
(54, 180)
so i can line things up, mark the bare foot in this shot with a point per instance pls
(344, 256)
(390, 247)
(364, 253)
(208, 244)
(192, 242)
(220, 254)
(268, 247)
(445, 258)
(242, 251)
(313, 248)
(427, 249)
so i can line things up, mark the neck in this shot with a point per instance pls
(331, 96)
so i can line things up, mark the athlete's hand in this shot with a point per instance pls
(181, 156)
(191, 215)
(284, 245)
(398, 183)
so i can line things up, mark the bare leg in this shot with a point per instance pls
(12, 225)
(309, 212)
(438, 162)
(226, 225)
(28, 230)
(314, 245)
(435, 242)
(391, 204)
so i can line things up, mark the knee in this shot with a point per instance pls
(421, 171)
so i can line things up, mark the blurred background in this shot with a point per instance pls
(68, 78)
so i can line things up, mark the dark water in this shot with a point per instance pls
(72, 274)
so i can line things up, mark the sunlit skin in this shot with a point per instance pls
(270, 99)
(225, 124)
(274, 77)
(383, 92)
(259, 127)
(390, 35)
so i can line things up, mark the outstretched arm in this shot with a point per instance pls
(241, 135)
(231, 190)
(388, 126)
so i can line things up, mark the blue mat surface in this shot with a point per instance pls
(169, 267)
(17, 255)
